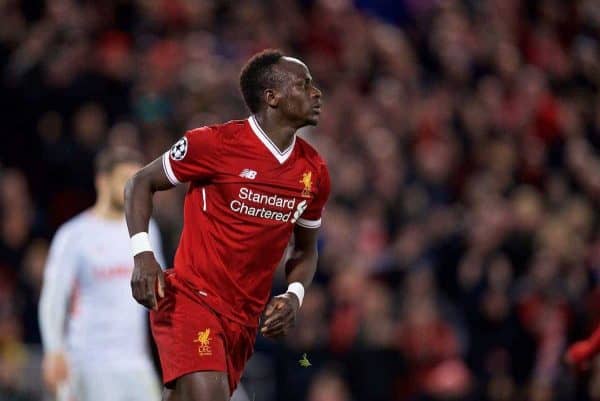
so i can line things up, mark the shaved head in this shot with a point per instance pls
(294, 60)
(273, 82)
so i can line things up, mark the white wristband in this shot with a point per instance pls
(298, 289)
(140, 243)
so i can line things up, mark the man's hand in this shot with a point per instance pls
(147, 280)
(280, 315)
(54, 370)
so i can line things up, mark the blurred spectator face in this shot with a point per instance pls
(410, 244)
(347, 287)
(496, 305)
(34, 262)
(450, 380)
(90, 126)
(50, 127)
(15, 192)
(420, 284)
(555, 235)
(500, 273)
(489, 221)
(115, 56)
(578, 215)
(124, 134)
(16, 208)
(507, 60)
(435, 159)
(15, 228)
(328, 386)
(528, 209)
(544, 268)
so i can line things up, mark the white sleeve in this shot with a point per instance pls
(156, 243)
(59, 278)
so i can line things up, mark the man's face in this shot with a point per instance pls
(300, 99)
(116, 180)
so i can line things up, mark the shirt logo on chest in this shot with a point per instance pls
(249, 174)
(307, 181)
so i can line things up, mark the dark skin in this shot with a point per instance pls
(293, 104)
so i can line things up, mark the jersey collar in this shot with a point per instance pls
(281, 156)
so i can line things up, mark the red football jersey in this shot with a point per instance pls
(243, 200)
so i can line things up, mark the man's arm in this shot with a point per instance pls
(59, 279)
(280, 314)
(147, 275)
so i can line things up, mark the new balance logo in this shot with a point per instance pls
(247, 173)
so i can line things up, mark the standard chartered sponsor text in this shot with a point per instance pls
(247, 200)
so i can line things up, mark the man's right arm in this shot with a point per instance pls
(59, 279)
(193, 157)
(147, 278)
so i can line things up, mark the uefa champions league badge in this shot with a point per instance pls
(179, 150)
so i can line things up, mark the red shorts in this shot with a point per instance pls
(191, 337)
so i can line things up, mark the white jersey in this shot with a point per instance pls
(86, 306)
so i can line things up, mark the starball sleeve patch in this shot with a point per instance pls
(179, 150)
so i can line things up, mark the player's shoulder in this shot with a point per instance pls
(223, 130)
(307, 151)
(75, 227)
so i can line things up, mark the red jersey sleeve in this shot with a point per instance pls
(193, 157)
(311, 218)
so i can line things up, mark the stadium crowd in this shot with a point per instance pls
(460, 251)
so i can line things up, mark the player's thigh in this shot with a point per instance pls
(87, 384)
(201, 386)
(138, 385)
(117, 384)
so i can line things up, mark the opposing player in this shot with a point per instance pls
(252, 184)
(103, 353)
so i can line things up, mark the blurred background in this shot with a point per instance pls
(460, 252)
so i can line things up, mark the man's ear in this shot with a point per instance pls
(272, 97)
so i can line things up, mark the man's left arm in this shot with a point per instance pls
(280, 314)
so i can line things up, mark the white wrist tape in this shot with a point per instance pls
(140, 243)
(298, 289)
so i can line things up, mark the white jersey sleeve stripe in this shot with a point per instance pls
(166, 161)
(309, 223)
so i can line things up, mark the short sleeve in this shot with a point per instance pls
(193, 157)
(311, 218)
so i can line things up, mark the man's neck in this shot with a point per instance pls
(105, 211)
(278, 131)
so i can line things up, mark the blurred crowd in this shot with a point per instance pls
(460, 251)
